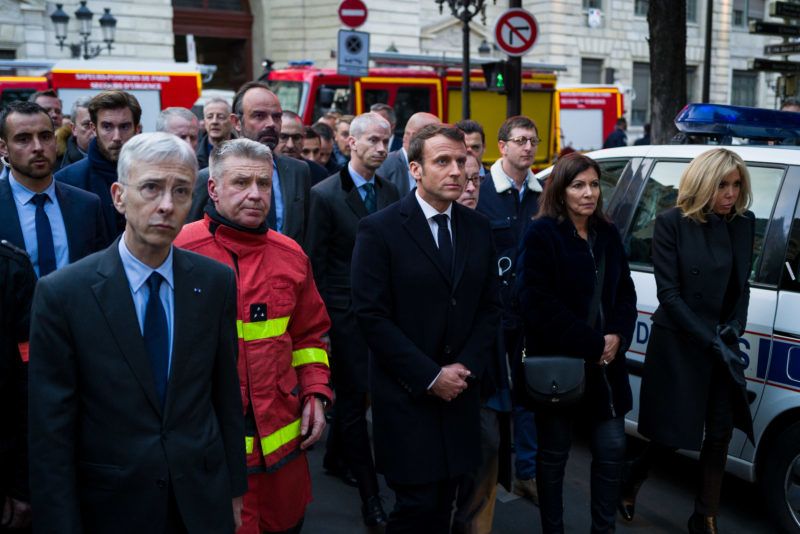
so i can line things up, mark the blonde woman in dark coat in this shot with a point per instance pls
(690, 398)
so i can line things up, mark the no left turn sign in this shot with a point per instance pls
(515, 31)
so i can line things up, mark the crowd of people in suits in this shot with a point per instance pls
(184, 313)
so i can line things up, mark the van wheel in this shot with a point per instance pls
(780, 480)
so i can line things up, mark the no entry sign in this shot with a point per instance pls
(353, 13)
(515, 31)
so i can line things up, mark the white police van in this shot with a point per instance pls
(638, 182)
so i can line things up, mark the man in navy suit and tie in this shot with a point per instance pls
(55, 223)
(425, 295)
(136, 421)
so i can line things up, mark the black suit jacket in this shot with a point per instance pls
(295, 180)
(336, 209)
(107, 454)
(416, 317)
(83, 219)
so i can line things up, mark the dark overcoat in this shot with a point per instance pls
(336, 209)
(693, 265)
(557, 280)
(416, 317)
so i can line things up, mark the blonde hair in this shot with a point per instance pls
(700, 182)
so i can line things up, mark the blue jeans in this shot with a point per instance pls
(524, 443)
(608, 453)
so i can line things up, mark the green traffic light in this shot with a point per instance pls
(499, 82)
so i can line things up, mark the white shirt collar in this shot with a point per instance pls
(429, 211)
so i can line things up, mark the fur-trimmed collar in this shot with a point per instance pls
(502, 181)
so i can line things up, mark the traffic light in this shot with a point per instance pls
(496, 74)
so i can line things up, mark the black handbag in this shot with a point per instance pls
(560, 380)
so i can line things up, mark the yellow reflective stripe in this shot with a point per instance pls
(249, 441)
(262, 329)
(311, 355)
(281, 437)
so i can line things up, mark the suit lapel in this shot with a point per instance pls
(73, 221)
(352, 196)
(9, 218)
(461, 242)
(185, 319)
(420, 231)
(113, 293)
(287, 184)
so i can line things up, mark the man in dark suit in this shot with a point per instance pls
(430, 318)
(136, 420)
(55, 223)
(257, 115)
(115, 119)
(338, 203)
(396, 167)
(291, 143)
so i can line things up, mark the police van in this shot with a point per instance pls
(639, 182)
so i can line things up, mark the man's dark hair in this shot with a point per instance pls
(324, 131)
(238, 99)
(310, 133)
(380, 106)
(114, 99)
(621, 121)
(469, 126)
(23, 108)
(46, 92)
(417, 146)
(517, 121)
(791, 101)
(552, 203)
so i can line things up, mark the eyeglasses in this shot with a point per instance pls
(475, 179)
(296, 138)
(522, 140)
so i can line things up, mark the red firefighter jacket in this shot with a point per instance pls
(281, 320)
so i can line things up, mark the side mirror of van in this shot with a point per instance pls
(325, 97)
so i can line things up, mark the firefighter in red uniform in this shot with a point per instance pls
(283, 366)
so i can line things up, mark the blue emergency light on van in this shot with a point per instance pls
(716, 120)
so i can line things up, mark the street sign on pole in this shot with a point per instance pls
(352, 57)
(770, 65)
(782, 49)
(784, 9)
(772, 28)
(353, 13)
(515, 31)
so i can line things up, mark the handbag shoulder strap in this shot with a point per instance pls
(594, 307)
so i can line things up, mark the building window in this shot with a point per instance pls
(744, 88)
(640, 109)
(591, 70)
(691, 10)
(691, 84)
(640, 7)
(592, 3)
(746, 10)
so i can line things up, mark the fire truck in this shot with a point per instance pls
(434, 85)
(156, 85)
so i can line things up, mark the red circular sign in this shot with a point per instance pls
(515, 31)
(353, 13)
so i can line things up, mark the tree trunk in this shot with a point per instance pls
(667, 22)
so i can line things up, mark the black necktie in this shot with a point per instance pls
(445, 242)
(156, 335)
(44, 237)
(369, 198)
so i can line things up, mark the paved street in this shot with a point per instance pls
(664, 505)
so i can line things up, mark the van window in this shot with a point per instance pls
(661, 193)
(375, 96)
(610, 171)
(410, 100)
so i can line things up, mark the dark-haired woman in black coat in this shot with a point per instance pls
(561, 252)
(702, 256)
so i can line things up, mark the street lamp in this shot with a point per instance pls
(465, 11)
(108, 25)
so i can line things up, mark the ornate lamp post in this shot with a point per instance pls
(108, 25)
(465, 11)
